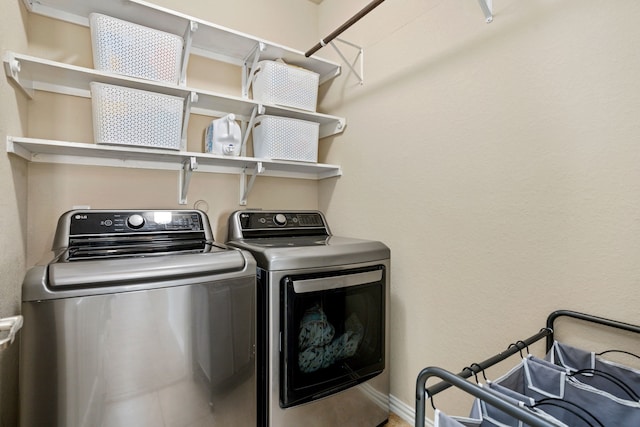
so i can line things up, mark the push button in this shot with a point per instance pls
(280, 219)
(135, 221)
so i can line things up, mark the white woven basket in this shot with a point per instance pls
(124, 116)
(134, 50)
(284, 138)
(281, 84)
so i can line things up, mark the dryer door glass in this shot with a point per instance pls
(333, 332)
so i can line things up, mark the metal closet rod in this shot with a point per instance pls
(355, 18)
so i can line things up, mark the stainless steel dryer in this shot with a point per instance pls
(140, 319)
(323, 310)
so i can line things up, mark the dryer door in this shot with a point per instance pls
(333, 332)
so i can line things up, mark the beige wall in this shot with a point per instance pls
(501, 164)
(13, 209)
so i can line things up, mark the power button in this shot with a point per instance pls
(135, 221)
(280, 219)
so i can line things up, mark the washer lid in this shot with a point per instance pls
(292, 253)
(112, 275)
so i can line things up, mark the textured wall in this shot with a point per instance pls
(13, 210)
(500, 162)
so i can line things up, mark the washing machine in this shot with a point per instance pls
(323, 316)
(139, 319)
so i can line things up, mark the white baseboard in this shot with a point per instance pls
(405, 411)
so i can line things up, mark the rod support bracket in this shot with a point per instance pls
(358, 58)
(487, 8)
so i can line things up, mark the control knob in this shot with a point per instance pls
(135, 221)
(280, 219)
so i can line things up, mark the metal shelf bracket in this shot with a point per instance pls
(245, 187)
(12, 69)
(191, 99)
(186, 51)
(359, 58)
(247, 127)
(249, 65)
(188, 166)
(487, 7)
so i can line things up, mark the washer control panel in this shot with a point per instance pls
(115, 222)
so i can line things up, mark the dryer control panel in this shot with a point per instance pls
(251, 224)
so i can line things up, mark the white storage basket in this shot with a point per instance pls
(125, 116)
(281, 84)
(134, 50)
(283, 138)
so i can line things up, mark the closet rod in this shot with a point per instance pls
(476, 368)
(355, 18)
(490, 397)
(589, 318)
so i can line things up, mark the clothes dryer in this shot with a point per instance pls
(323, 311)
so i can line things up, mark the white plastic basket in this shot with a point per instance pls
(284, 138)
(281, 84)
(134, 50)
(124, 116)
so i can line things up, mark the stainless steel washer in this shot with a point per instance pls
(323, 310)
(140, 319)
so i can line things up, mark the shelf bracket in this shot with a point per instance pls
(487, 7)
(247, 70)
(248, 127)
(188, 166)
(186, 51)
(12, 70)
(359, 56)
(191, 99)
(245, 187)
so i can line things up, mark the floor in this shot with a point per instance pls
(396, 421)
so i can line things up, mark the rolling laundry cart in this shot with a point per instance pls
(511, 406)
